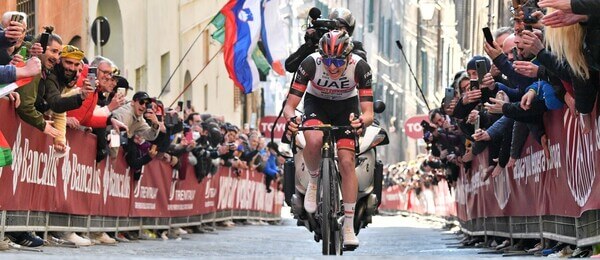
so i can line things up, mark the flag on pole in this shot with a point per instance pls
(242, 24)
(257, 55)
(272, 35)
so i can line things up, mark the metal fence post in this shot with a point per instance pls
(46, 225)
(510, 230)
(3, 223)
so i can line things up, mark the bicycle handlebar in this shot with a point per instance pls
(327, 128)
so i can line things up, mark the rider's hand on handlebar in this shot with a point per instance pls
(293, 124)
(357, 123)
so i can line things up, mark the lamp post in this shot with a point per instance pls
(427, 8)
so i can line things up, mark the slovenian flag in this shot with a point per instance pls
(242, 31)
(257, 56)
(273, 37)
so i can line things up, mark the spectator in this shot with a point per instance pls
(133, 114)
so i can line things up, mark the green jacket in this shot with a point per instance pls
(27, 110)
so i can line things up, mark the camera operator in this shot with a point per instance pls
(339, 19)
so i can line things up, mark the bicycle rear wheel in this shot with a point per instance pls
(330, 207)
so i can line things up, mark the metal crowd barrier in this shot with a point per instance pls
(17, 221)
(580, 231)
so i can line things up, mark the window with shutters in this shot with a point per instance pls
(28, 7)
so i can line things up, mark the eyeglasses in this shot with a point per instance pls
(144, 102)
(107, 72)
(336, 62)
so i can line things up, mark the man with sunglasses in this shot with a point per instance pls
(133, 114)
(338, 80)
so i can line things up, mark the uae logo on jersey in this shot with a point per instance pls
(341, 83)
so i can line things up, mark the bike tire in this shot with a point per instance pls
(330, 205)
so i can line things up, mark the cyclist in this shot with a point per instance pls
(338, 80)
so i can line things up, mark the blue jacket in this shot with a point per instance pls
(271, 167)
(8, 74)
(546, 92)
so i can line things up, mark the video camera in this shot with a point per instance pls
(321, 25)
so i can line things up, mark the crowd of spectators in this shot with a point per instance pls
(63, 90)
(548, 59)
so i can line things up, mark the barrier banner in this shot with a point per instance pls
(436, 200)
(564, 184)
(40, 181)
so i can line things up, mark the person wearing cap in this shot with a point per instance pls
(346, 22)
(133, 114)
(66, 72)
(44, 93)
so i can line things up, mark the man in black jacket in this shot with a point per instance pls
(346, 23)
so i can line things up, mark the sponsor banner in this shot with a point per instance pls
(562, 183)
(266, 124)
(413, 128)
(39, 180)
(437, 200)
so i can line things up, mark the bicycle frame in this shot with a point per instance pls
(329, 209)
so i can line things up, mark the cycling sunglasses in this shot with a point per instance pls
(335, 61)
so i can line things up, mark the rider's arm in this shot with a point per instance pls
(364, 79)
(305, 73)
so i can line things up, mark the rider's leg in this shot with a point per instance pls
(312, 159)
(349, 191)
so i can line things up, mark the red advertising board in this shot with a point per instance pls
(564, 184)
(412, 126)
(39, 181)
(266, 124)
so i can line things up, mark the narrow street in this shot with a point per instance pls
(387, 236)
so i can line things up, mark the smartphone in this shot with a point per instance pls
(149, 106)
(188, 104)
(188, 136)
(477, 123)
(44, 41)
(488, 35)
(449, 95)
(474, 84)
(180, 105)
(528, 18)
(115, 138)
(528, 27)
(481, 70)
(17, 17)
(515, 54)
(122, 91)
(91, 76)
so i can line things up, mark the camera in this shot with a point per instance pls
(320, 25)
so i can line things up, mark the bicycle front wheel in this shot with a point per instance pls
(330, 207)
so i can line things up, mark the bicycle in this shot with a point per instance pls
(329, 209)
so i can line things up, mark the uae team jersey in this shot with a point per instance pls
(355, 80)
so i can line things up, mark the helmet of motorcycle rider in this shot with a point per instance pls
(344, 17)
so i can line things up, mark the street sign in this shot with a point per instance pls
(103, 33)
(413, 128)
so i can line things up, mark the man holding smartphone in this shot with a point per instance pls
(43, 92)
(134, 117)
(66, 74)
